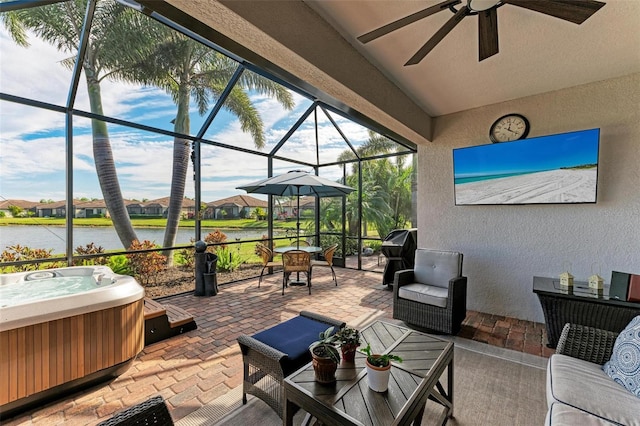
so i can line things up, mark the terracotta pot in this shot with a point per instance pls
(325, 368)
(378, 377)
(349, 352)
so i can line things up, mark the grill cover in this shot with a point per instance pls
(399, 247)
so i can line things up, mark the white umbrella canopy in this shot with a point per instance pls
(296, 183)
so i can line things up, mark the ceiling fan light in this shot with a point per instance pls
(480, 5)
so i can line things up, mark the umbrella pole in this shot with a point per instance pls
(298, 224)
(297, 282)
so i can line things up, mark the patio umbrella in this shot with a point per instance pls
(297, 183)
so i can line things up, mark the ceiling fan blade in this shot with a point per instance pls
(487, 33)
(438, 36)
(386, 29)
(569, 10)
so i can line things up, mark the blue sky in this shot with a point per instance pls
(534, 154)
(32, 150)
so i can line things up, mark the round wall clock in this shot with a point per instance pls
(509, 127)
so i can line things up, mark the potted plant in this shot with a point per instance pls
(349, 340)
(378, 369)
(325, 357)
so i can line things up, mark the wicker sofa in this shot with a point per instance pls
(579, 392)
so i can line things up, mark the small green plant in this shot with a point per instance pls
(348, 336)
(228, 261)
(379, 360)
(186, 256)
(324, 347)
(119, 264)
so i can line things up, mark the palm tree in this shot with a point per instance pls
(62, 25)
(187, 69)
(127, 46)
(386, 186)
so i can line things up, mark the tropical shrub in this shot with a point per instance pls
(90, 248)
(146, 266)
(216, 237)
(16, 211)
(18, 253)
(259, 213)
(329, 240)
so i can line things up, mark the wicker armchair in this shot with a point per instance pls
(586, 343)
(296, 261)
(433, 295)
(273, 354)
(328, 261)
(266, 255)
(150, 412)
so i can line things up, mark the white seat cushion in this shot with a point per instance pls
(436, 268)
(427, 294)
(564, 415)
(585, 386)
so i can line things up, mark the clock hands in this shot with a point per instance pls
(509, 127)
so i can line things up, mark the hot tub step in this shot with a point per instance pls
(153, 309)
(177, 316)
(162, 321)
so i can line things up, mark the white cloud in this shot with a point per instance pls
(32, 149)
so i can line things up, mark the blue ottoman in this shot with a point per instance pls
(271, 355)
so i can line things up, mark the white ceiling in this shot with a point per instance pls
(538, 53)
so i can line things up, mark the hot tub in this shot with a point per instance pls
(65, 328)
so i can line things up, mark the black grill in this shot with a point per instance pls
(399, 247)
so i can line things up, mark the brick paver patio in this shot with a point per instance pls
(193, 369)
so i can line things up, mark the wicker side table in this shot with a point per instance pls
(580, 305)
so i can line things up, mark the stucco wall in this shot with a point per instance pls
(505, 246)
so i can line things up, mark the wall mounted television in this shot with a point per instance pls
(554, 169)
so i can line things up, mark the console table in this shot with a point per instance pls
(580, 305)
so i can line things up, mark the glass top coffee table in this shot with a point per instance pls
(349, 401)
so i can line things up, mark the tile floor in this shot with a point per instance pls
(193, 369)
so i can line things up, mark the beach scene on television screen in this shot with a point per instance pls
(549, 169)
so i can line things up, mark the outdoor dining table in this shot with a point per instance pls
(309, 249)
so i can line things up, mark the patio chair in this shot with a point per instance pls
(267, 260)
(295, 261)
(328, 261)
(433, 295)
(271, 355)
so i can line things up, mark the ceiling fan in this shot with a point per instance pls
(576, 11)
